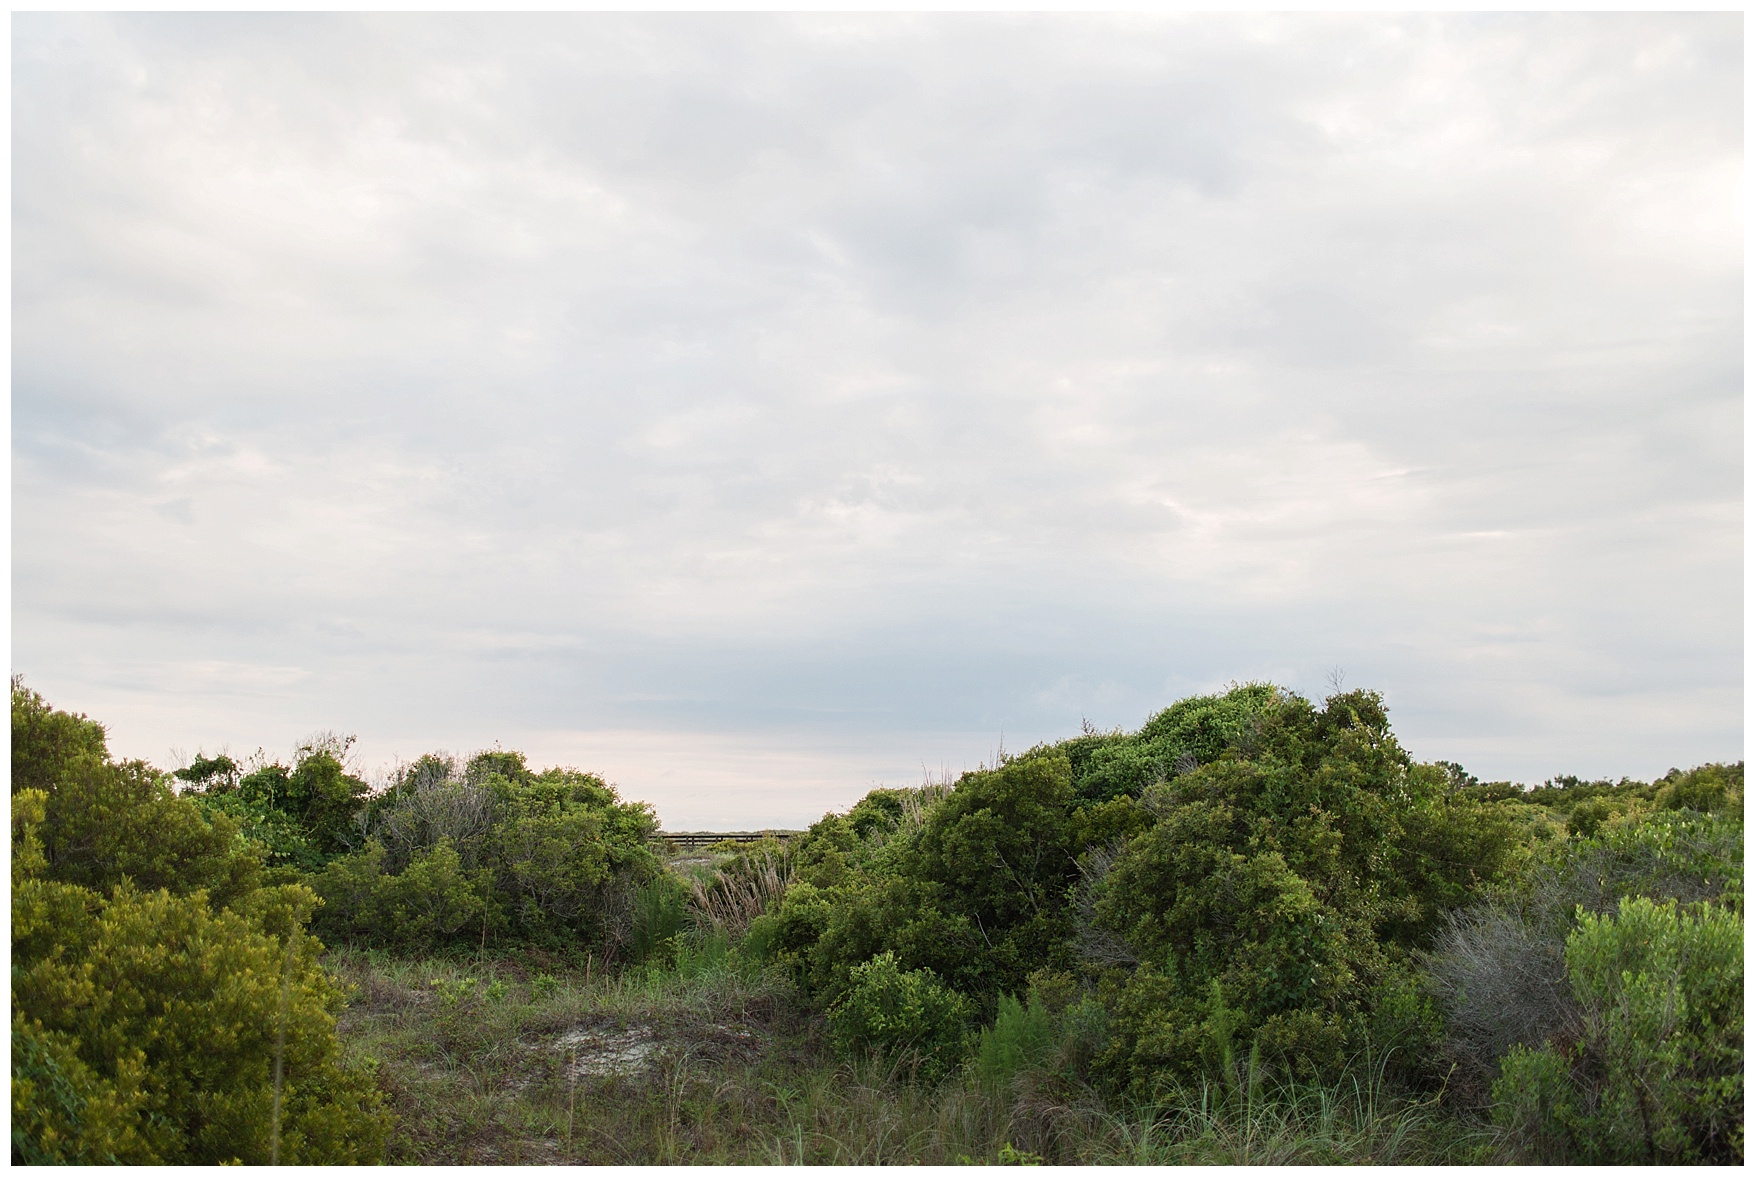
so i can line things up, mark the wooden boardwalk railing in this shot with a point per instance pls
(701, 839)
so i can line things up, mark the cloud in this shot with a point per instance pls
(808, 378)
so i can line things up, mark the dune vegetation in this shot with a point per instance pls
(1253, 931)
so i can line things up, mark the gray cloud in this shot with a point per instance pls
(863, 384)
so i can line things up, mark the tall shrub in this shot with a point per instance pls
(158, 988)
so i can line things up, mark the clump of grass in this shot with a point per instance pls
(1250, 1121)
(740, 890)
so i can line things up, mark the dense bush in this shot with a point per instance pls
(1273, 900)
(302, 815)
(1655, 1074)
(457, 855)
(103, 822)
(161, 994)
(1499, 967)
(903, 1014)
(1248, 872)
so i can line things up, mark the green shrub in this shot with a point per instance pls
(1657, 1073)
(148, 1023)
(901, 1014)
(787, 933)
(1710, 788)
(971, 885)
(1671, 854)
(1024, 1034)
(64, 1113)
(103, 822)
(157, 995)
(490, 850)
(1273, 903)
(660, 914)
(47, 744)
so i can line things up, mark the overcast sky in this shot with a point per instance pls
(757, 409)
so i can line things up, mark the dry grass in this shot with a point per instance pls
(742, 888)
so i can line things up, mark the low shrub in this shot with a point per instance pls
(902, 1014)
(1022, 1035)
(455, 856)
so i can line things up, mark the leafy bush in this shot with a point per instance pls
(1499, 969)
(1710, 788)
(1278, 889)
(103, 822)
(970, 884)
(435, 899)
(901, 1013)
(492, 849)
(1656, 1075)
(150, 1018)
(177, 1017)
(302, 816)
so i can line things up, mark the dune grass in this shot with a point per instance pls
(710, 1060)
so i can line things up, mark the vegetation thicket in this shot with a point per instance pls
(167, 1003)
(1255, 931)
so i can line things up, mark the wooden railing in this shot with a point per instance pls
(701, 839)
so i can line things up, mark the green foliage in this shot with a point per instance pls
(103, 822)
(456, 856)
(149, 1020)
(1669, 854)
(1195, 731)
(660, 914)
(1656, 1075)
(901, 1013)
(47, 744)
(1278, 889)
(433, 900)
(1711, 788)
(1024, 1034)
(172, 1012)
(301, 816)
(62, 1112)
(1248, 872)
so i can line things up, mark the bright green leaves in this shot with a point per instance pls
(1657, 1073)
(156, 995)
(904, 1014)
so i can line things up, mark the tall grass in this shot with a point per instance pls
(1249, 1120)
(740, 890)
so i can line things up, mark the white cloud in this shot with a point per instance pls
(854, 379)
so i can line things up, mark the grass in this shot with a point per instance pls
(711, 1061)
